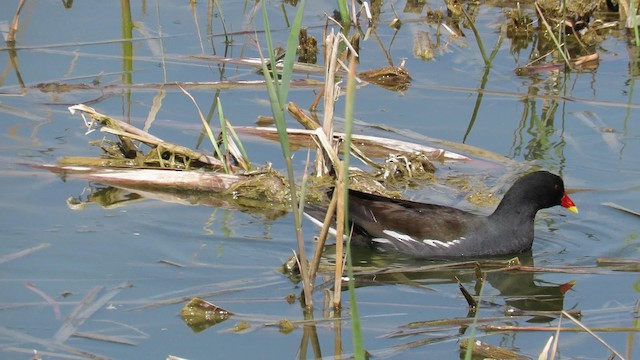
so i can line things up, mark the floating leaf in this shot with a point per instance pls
(394, 78)
(200, 315)
(489, 351)
(242, 326)
(286, 326)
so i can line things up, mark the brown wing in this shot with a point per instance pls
(375, 214)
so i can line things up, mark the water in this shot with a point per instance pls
(581, 124)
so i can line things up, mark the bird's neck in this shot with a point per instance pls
(516, 223)
(515, 208)
(514, 213)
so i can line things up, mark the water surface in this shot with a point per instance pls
(580, 124)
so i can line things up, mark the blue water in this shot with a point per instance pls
(237, 254)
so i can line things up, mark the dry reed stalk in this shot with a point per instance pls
(11, 37)
(330, 95)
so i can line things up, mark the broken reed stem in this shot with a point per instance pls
(332, 43)
(304, 119)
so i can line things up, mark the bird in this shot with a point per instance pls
(424, 230)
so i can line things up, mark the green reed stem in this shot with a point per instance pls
(472, 25)
(553, 37)
(278, 91)
(343, 8)
(358, 345)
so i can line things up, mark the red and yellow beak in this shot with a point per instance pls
(568, 203)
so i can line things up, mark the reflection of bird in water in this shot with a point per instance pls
(519, 289)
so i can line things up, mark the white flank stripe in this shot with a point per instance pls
(382, 240)
(436, 243)
(399, 236)
(408, 239)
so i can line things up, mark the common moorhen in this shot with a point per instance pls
(436, 231)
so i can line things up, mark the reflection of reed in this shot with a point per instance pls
(13, 61)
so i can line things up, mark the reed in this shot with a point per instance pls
(278, 91)
(358, 344)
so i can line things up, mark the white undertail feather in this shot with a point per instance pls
(319, 223)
